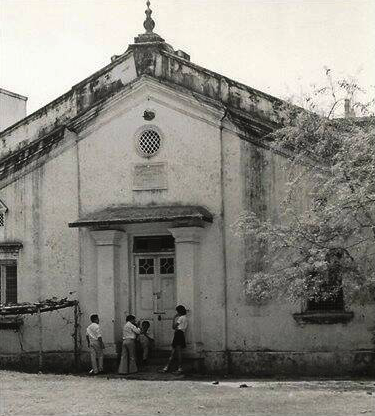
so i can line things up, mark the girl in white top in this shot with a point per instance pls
(128, 362)
(180, 324)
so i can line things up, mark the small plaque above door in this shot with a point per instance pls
(149, 176)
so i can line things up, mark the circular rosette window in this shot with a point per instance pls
(149, 143)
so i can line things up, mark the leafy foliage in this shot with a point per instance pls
(318, 247)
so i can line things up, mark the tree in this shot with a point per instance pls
(328, 247)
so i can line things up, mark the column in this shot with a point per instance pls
(108, 269)
(187, 244)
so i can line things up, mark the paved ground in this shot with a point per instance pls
(32, 394)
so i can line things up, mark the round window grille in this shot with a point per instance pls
(149, 142)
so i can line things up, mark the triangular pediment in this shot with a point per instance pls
(142, 94)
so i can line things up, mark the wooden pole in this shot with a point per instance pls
(76, 326)
(40, 362)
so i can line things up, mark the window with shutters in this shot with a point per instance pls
(8, 282)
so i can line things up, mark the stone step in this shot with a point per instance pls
(143, 375)
(190, 365)
(152, 368)
(161, 353)
(157, 362)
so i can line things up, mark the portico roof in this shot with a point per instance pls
(181, 214)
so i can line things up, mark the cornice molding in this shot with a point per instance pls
(26, 159)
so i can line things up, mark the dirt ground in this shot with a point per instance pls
(48, 394)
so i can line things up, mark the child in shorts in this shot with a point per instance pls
(179, 325)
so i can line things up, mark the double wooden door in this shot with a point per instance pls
(155, 286)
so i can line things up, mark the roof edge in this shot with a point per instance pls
(156, 213)
(216, 74)
(13, 94)
(65, 95)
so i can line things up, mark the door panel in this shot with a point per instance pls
(168, 289)
(147, 295)
(156, 295)
(145, 288)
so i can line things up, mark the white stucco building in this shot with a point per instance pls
(12, 108)
(122, 192)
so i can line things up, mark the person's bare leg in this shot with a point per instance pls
(166, 368)
(179, 358)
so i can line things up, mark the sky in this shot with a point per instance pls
(277, 46)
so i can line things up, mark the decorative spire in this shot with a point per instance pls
(150, 37)
(148, 24)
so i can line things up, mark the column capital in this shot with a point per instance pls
(107, 237)
(186, 234)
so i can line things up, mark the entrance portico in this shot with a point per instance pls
(158, 281)
(108, 243)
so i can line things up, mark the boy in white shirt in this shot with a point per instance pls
(180, 324)
(95, 344)
(128, 363)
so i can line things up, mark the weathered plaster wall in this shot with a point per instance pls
(152, 61)
(12, 108)
(39, 205)
(57, 334)
(169, 67)
(191, 152)
(99, 172)
(264, 328)
(56, 260)
(82, 96)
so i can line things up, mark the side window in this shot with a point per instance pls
(8, 282)
(330, 292)
(333, 300)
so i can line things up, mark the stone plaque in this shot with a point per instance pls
(148, 176)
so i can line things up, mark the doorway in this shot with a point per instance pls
(155, 286)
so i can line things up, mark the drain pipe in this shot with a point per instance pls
(224, 246)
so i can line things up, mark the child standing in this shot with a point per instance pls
(179, 325)
(95, 345)
(128, 362)
(145, 341)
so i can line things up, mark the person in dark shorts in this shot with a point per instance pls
(180, 324)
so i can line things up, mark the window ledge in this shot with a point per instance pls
(323, 317)
(10, 322)
(12, 247)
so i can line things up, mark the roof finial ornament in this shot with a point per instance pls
(148, 24)
(150, 38)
